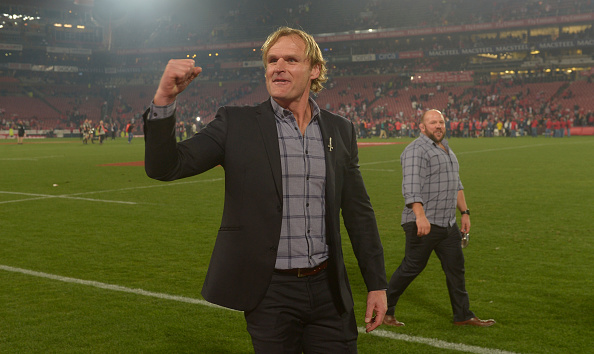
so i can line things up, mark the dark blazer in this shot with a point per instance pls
(244, 141)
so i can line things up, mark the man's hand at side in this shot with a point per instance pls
(377, 304)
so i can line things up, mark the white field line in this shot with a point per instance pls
(49, 196)
(105, 286)
(435, 342)
(29, 158)
(74, 195)
(378, 332)
(160, 185)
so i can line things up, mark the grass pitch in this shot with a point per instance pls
(88, 214)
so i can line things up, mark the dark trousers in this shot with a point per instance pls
(445, 241)
(298, 315)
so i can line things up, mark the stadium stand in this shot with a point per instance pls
(513, 60)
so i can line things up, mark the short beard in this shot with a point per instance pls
(434, 138)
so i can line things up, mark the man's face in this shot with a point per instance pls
(288, 71)
(433, 126)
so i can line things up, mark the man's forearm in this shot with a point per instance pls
(418, 209)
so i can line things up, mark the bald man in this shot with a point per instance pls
(432, 192)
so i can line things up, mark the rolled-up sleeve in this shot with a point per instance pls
(413, 172)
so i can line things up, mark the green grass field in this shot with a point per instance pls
(91, 264)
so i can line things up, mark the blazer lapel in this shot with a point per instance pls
(267, 124)
(329, 137)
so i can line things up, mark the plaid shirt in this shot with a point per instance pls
(303, 232)
(430, 176)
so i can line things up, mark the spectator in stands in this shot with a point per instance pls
(263, 264)
(499, 127)
(432, 191)
(521, 126)
(478, 127)
(383, 131)
(101, 131)
(557, 128)
(130, 131)
(179, 130)
(513, 126)
(21, 132)
(534, 127)
(455, 131)
(113, 129)
(549, 127)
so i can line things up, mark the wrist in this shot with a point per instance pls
(162, 100)
(465, 212)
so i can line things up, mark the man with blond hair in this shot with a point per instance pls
(290, 168)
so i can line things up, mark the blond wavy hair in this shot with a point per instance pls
(312, 51)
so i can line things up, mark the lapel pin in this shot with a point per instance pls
(330, 147)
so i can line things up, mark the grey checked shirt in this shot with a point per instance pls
(430, 176)
(303, 232)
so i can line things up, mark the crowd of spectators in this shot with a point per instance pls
(249, 22)
(502, 105)
(483, 111)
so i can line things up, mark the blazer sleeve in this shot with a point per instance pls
(167, 160)
(359, 220)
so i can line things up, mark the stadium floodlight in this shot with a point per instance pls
(197, 119)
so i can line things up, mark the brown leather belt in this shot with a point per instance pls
(304, 272)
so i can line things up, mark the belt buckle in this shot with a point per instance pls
(299, 274)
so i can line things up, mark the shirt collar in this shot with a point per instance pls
(282, 113)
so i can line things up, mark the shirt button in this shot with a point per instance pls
(307, 205)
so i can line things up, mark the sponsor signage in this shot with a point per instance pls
(19, 66)
(363, 57)
(411, 55)
(76, 51)
(482, 50)
(387, 56)
(65, 69)
(6, 46)
(253, 64)
(340, 59)
(442, 77)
